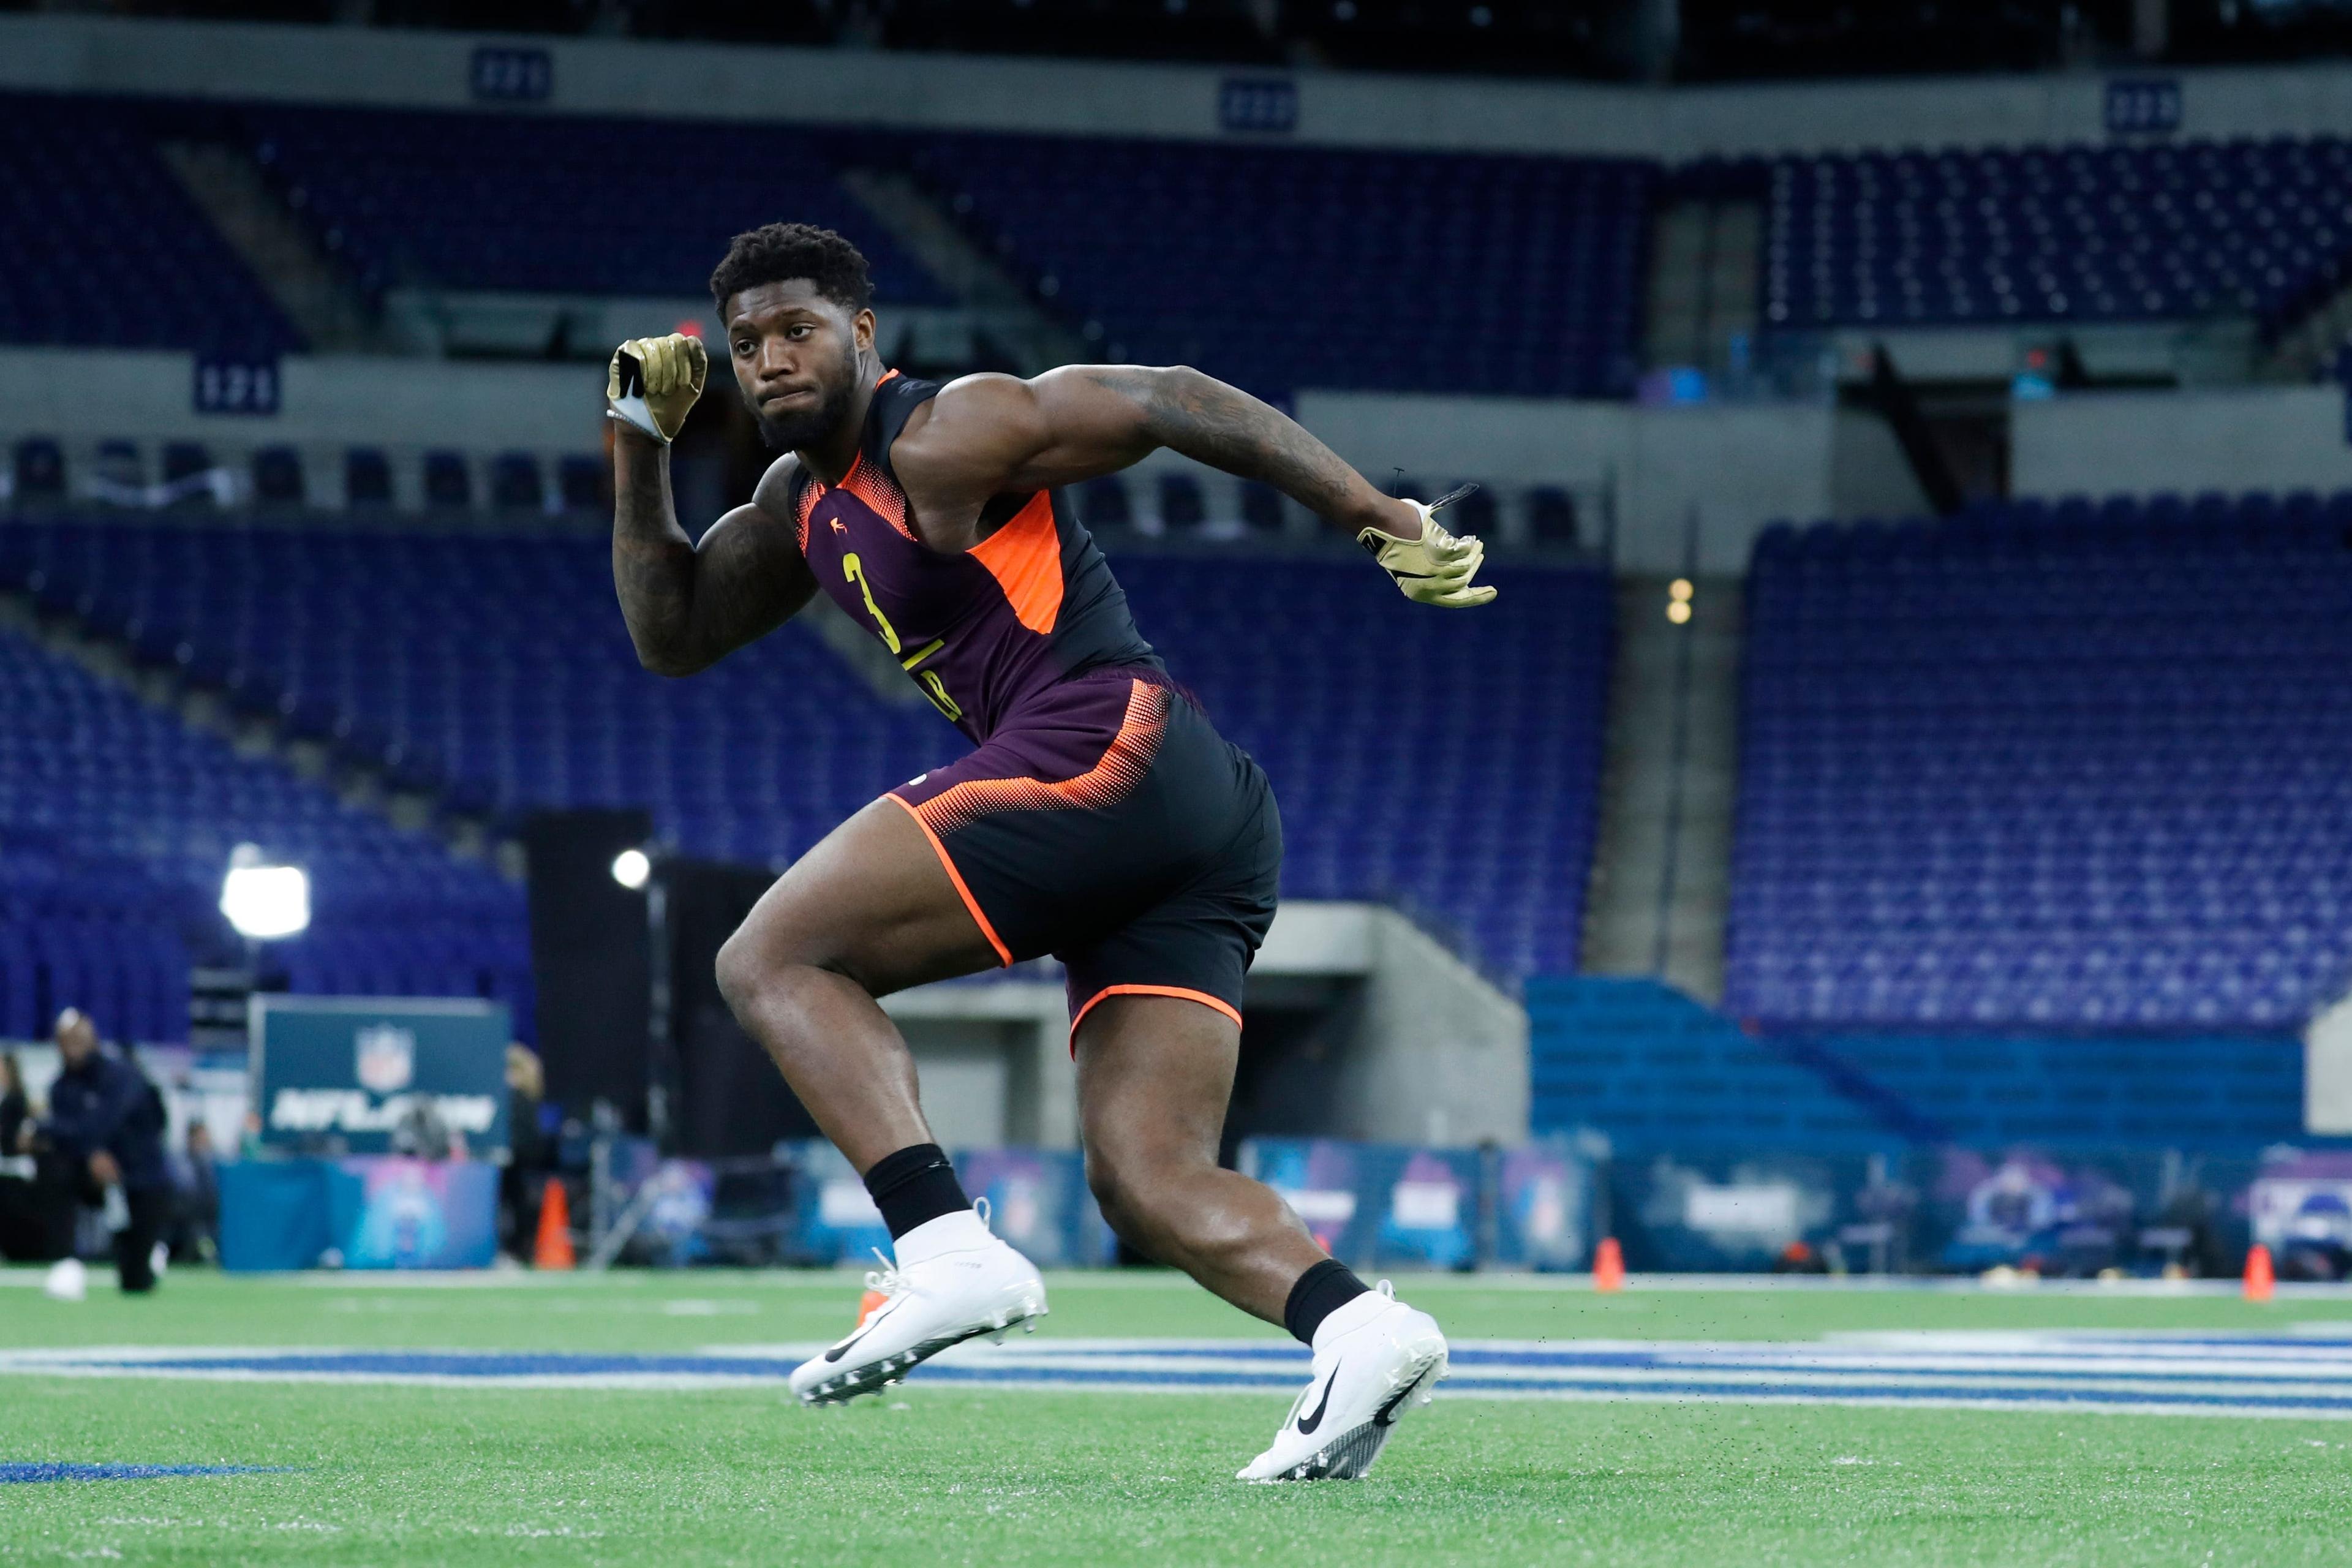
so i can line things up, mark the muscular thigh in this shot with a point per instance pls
(1155, 1075)
(871, 901)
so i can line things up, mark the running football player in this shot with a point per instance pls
(1099, 817)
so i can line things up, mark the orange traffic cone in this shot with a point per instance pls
(1608, 1265)
(2261, 1283)
(554, 1248)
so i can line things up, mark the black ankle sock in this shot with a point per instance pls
(914, 1184)
(1320, 1291)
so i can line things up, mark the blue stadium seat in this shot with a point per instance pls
(2034, 767)
(367, 478)
(448, 481)
(39, 465)
(513, 683)
(515, 483)
(278, 476)
(101, 247)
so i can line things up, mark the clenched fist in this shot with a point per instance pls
(652, 383)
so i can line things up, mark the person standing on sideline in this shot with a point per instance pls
(107, 1122)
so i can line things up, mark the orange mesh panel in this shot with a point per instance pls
(811, 493)
(1024, 556)
(888, 501)
(1110, 780)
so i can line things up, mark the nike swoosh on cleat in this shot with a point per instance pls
(843, 1349)
(1308, 1422)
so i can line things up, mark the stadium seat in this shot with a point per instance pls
(2167, 230)
(278, 476)
(39, 465)
(1182, 508)
(513, 686)
(1102, 502)
(1262, 508)
(125, 257)
(448, 481)
(1222, 255)
(1551, 516)
(185, 460)
(579, 478)
(515, 483)
(2038, 767)
(367, 478)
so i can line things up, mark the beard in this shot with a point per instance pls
(809, 426)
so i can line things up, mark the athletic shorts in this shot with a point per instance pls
(1108, 825)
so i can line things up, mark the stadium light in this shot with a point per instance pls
(262, 900)
(630, 868)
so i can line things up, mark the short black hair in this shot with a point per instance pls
(776, 251)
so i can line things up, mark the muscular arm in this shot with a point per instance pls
(690, 605)
(987, 435)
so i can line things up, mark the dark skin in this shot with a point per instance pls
(870, 910)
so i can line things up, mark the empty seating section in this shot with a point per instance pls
(2072, 233)
(498, 669)
(1464, 273)
(100, 245)
(116, 823)
(2074, 765)
(556, 205)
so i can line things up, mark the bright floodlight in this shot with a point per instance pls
(265, 903)
(630, 868)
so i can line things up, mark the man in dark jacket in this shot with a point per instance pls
(106, 1121)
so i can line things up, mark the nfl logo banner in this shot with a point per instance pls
(343, 1074)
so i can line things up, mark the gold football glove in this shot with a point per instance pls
(654, 382)
(1436, 568)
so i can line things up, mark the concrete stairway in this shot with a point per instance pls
(1703, 283)
(306, 284)
(2306, 350)
(998, 303)
(1661, 871)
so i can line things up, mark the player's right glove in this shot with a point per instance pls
(652, 383)
(1436, 568)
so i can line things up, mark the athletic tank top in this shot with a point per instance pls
(1032, 603)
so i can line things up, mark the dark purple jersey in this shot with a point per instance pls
(982, 632)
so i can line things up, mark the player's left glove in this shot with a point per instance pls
(653, 383)
(1436, 568)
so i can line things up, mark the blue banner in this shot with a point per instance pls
(1543, 1202)
(344, 1074)
(1039, 1202)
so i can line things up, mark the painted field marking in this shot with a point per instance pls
(2145, 1373)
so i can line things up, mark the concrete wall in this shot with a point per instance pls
(2246, 438)
(388, 66)
(1737, 466)
(1441, 1055)
(381, 401)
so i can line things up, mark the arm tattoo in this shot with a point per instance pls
(687, 607)
(653, 561)
(1226, 429)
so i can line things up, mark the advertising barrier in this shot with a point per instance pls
(368, 1213)
(334, 1074)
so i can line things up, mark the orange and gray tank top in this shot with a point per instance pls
(983, 632)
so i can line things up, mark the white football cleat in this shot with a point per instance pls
(1373, 1359)
(954, 1283)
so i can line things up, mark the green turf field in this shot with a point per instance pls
(959, 1474)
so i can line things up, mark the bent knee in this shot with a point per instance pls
(1140, 1194)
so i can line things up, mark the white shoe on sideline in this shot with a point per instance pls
(67, 1281)
(1373, 1359)
(953, 1281)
